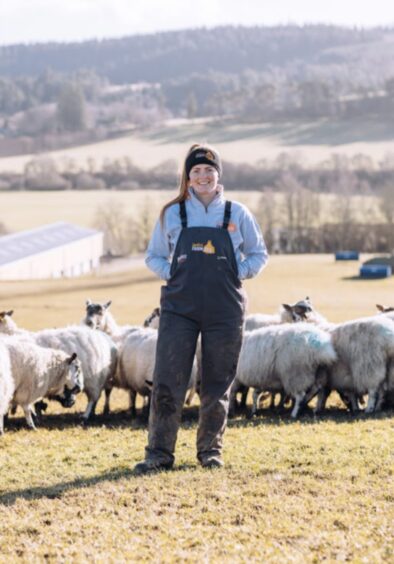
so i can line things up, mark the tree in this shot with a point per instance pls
(191, 105)
(71, 111)
(387, 209)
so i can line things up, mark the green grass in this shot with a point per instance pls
(295, 492)
(306, 491)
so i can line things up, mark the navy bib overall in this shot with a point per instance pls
(203, 296)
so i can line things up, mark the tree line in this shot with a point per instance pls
(357, 174)
(257, 73)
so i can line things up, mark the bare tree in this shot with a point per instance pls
(386, 205)
(117, 227)
(302, 212)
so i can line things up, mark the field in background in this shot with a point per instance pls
(312, 141)
(303, 491)
(333, 288)
(25, 210)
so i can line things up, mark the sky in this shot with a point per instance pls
(32, 21)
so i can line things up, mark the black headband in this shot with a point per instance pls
(202, 155)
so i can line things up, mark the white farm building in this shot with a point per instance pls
(51, 251)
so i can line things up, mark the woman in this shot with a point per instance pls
(203, 246)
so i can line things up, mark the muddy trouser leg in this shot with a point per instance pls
(175, 350)
(221, 344)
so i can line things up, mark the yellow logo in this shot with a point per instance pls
(209, 156)
(209, 249)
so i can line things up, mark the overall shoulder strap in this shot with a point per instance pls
(227, 214)
(183, 214)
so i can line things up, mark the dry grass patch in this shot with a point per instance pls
(295, 492)
(26, 210)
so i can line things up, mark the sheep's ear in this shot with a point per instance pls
(156, 311)
(10, 312)
(106, 306)
(380, 307)
(307, 299)
(88, 303)
(287, 307)
(72, 358)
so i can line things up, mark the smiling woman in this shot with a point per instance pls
(203, 246)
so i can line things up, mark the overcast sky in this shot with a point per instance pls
(26, 21)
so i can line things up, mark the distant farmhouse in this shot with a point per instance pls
(52, 251)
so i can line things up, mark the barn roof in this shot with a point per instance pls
(27, 243)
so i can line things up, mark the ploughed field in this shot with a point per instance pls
(300, 491)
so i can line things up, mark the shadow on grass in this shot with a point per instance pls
(57, 490)
(357, 278)
(190, 415)
(291, 132)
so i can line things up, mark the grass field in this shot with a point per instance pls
(312, 142)
(307, 491)
(25, 210)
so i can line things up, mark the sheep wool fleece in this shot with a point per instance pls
(203, 295)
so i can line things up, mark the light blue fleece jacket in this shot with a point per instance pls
(250, 250)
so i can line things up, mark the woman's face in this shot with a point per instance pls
(203, 179)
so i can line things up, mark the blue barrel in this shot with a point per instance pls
(347, 255)
(375, 271)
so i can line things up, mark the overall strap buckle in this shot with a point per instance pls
(227, 214)
(182, 213)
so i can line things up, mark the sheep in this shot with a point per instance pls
(365, 351)
(6, 384)
(300, 311)
(136, 364)
(98, 355)
(96, 350)
(38, 372)
(98, 316)
(288, 357)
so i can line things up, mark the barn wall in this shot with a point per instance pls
(74, 259)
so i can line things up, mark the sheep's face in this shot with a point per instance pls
(95, 314)
(153, 319)
(296, 313)
(385, 309)
(7, 325)
(74, 381)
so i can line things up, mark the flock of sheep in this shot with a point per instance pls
(296, 353)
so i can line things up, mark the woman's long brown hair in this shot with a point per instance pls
(184, 185)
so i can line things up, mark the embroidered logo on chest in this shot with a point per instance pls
(208, 248)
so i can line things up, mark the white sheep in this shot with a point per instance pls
(96, 351)
(6, 384)
(298, 312)
(288, 357)
(365, 351)
(98, 316)
(38, 372)
(137, 362)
